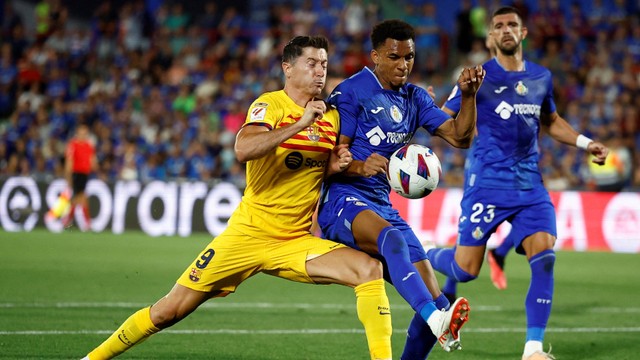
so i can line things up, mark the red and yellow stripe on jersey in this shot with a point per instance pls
(283, 187)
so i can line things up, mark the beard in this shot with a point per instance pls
(508, 49)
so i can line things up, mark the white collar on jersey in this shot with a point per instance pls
(374, 76)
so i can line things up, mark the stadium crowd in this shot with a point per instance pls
(164, 90)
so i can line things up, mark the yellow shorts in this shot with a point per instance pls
(233, 257)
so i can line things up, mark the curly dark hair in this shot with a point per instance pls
(391, 29)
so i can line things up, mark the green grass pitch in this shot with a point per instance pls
(62, 294)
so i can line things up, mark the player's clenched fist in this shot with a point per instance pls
(374, 165)
(341, 158)
(470, 79)
(314, 110)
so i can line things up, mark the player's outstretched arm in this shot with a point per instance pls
(560, 130)
(254, 142)
(459, 132)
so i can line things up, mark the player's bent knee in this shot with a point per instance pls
(178, 304)
(461, 275)
(371, 270)
(163, 316)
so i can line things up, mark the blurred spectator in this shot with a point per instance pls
(615, 174)
(478, 17)
(304, 18)
(464, 28)
(10, 20)
(152, 81)
(80, 163)
(355, 19)
(427, 40)
(19, 42)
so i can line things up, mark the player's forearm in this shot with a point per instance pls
(332, 167)
(331, 170)
(561, 131)
(356, 168)
(465, 122)
(254, 145)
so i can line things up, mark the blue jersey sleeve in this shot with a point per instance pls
(429, 114)
(548, 104)
(347, 106)
(453, 101)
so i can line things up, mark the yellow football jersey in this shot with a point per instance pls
(283, 186)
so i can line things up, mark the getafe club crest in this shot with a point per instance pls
(477, 233)
(521, 89)
(396, 115)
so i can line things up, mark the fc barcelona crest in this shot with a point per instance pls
(313, 133)
(194, 275)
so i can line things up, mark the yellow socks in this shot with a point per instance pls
(133, 331)
(372, 306)
(373, 312)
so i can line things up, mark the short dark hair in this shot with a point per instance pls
(391, 29)
(507, 10)
(294, 48)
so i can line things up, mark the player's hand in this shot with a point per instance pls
(314, 110)
(599, 151)
(470, 79)
(431, 92)
(341, 158)
(374, 165)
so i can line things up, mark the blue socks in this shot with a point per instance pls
(504, 248)
(538, 301)
(450, 286)
(405, 277)
(420, 339)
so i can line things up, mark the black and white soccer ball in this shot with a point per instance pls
(414, 171)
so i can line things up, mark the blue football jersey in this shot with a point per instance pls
(381, 121)
(505, 153)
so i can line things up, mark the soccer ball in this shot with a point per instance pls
(414, 171)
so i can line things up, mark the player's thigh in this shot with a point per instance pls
(224, 263)
(366, 228)
(534, 226)
(310, 259)
(345, 266)
(483, 210)
(351, 221)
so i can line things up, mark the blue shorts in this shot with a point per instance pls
(528, 211)
(337, 213)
